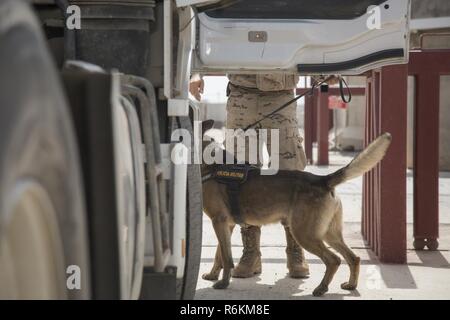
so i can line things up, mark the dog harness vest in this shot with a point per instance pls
(233, 176)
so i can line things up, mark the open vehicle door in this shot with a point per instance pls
(309, 36)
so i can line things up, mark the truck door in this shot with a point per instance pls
(309, 36)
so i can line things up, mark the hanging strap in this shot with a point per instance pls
(342, 82)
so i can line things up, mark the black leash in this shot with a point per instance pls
(314, 86)
(341, 89)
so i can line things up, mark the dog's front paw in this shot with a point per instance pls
(210, 276)
(221, 284)
(348, 286)
(320, 291)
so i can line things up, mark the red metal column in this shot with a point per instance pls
(314, 115)
(392, 176)
(427, 67)
(376, 131)
(322, 126)
(426, 159)
(309, 127)
(330, 119)
(373, 133)
(384, 202)
(371, 221)
(370, 182)
(366, 183)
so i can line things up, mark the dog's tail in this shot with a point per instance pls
(363, 162)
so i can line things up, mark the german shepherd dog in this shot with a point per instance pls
(305, 201)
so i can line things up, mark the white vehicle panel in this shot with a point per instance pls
(224, 44)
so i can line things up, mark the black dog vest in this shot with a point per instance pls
(233, 176)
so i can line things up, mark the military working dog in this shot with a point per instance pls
(306, 202)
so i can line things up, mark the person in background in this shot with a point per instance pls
(250, 97)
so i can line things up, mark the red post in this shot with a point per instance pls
(392, 176)
(370, 176)
(384, 216)
(427, 66)
(376, 131)
(315, 115)
(309, 127)
(366, 183)
(426, 158)
(322, 126)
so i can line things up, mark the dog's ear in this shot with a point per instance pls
(206, 125)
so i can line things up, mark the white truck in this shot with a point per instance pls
(92, 93)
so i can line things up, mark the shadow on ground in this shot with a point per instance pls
(285, 288)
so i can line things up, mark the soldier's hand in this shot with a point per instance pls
(196, 86)
(333, 81)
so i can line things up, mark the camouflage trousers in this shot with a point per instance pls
(244, 107)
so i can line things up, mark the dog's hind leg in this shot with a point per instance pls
(223, 234)
(317, 247)
(352, 260)
(217, 266)
(335, 239)
(331, 261)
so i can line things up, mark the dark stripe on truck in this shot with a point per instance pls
(350, 64)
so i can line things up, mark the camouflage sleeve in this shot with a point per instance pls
(265, 82)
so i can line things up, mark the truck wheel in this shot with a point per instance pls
(186, 287)
(42, 216)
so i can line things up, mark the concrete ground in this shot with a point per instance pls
(426, 276)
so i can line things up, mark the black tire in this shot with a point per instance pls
(90, 101)
(186, 288)
(37, 140)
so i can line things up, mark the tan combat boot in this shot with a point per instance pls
(296, 264)
(250, 262)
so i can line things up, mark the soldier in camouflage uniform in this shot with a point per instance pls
(250, 98)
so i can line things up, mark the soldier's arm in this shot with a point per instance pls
(196, 86)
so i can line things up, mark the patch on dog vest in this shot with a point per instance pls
(232, 173)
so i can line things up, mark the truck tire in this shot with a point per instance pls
(90, 94)
(42, 215)
(186, 288)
